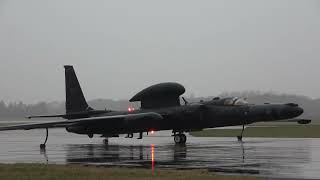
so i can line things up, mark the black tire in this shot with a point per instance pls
(42, 146)
(180, 139)
(177, 139)
(184, 138)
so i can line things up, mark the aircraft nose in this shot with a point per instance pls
(298, 111)
(293, 110)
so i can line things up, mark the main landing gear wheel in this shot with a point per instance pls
(106, 141)
(90, 136)
(180, 138)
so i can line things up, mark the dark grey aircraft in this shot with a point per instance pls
(160, 110)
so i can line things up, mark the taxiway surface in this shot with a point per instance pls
(277, 158)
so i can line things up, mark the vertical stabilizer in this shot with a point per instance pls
(75, 100)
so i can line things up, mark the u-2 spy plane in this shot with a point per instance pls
(160, 110)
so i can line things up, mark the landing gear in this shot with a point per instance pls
(106, 141)
(180, 138)
(90, 136)
(43, 146)
(241, 136)
(129, 135)
(140, 135)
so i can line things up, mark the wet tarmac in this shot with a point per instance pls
(276, 158)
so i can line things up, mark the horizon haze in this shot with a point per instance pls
(121, 47)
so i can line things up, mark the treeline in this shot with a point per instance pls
(20, 110)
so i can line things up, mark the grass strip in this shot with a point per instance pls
(77, 172)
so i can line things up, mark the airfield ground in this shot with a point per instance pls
(266, 131)
(77, 172)
(208, 156)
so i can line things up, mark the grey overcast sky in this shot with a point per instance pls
(120, 47)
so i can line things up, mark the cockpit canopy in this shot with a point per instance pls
(230, 101)
(235, 101)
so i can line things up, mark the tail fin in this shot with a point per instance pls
(75, 100)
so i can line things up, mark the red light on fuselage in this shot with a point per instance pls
(152, 132)
(130, 109)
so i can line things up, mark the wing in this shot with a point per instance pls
(85, 121)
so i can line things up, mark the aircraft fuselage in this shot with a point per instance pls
(193, 117)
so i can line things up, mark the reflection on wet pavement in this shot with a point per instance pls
(290, 158)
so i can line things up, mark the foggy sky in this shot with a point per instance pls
(121, 47)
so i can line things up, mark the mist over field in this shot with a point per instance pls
(121, 47)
